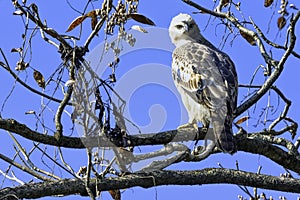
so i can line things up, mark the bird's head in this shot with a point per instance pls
(183, 29)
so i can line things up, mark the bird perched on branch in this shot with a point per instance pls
(206, 80)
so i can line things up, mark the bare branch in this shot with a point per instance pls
(259, 31)
(28, 160)
(7, 67)
(63, 104)
(39, 23)
(283, 114)
(255, 146)
(275, 74)
(12, 177)
(23, 168)
(156, 178)
(59, 127)
(95, 32)
(88, 175)
(278, 141)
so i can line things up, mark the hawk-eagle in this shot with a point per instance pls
(206, 80)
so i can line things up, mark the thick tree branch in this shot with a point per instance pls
(250, 145)
(157, 178)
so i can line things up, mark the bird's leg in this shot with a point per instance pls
(204, 153)
(191, 126)
(188, 126)
(205, 128)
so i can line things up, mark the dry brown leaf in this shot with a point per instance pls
(224, 3)
(268, 3)
(93, 13)
(76, 22)
(242, 119)
(141, 18)
(115, 194)
(248, 37)
(281, 22)
(39, 78)
(94, 22)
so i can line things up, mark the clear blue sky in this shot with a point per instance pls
(155, 92)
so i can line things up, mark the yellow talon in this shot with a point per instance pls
(191, 127)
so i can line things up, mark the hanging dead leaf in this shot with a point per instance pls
(293, 6)
(242, 119)
(93, 14)
(21, 65)
(13, 50)
(30, 112)
(39, 78)
(224, 3)
(268, 3)
(18, 12)
(281, 22)
(248, 37)
(139, 28)
(141, 18)
(94, 22)
(115, 194)
(238, 6)
(76, 22)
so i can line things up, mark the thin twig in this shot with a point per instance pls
(269, 42)
(7, 67)
(12, 177)
(88, 174)
(39, 23)
(275, 74)
(23, 168)
(27, 158)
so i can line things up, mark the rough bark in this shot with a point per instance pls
(157, 178)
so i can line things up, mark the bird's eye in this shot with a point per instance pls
(179, 26)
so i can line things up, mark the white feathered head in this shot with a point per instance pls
(183, 29)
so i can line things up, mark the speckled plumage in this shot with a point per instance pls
(206, 79)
